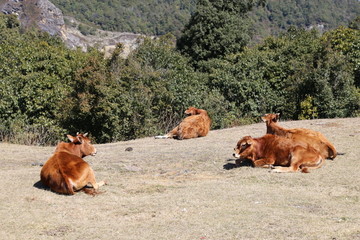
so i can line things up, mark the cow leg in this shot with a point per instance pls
(278, 169)
(91, 180)
(312, 163)
(173, 133)
(295, 163)
(303, 159)
(187, 133)
(96, 185)
(87, 178)
(264, 162)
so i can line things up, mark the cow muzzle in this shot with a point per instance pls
(94, 152)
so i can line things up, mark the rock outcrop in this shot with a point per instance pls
(39, 13)
(47, 17)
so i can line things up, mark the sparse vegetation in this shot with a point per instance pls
(86, 30)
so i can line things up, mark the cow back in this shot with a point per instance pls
(308, 136)
(195, 125)
(52, 174)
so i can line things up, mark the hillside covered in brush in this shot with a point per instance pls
(158, 17)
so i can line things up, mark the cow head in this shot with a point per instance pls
(271, 117)
(244, 148)
(86, 148)
(191, 111)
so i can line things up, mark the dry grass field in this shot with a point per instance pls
(171, 189)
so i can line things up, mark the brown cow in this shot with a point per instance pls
(286, 154)
(197, 124)
(66, 172)
(315, 139)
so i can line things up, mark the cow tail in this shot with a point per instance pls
(69, 186)
(65, 186)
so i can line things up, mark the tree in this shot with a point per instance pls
(88, 106)
(216, 29)
(157, 85)
(355, 24)
(33, 80)
(346, 41)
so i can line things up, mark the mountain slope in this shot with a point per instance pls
(44, 15)
(157, 17)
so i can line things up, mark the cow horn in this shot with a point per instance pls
(77, 133)
(85, 134)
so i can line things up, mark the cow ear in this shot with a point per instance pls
(80, 139)
(264, 118)
(71, 138)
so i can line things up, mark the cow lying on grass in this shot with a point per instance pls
(66, 172)
(279, 153)
(197, 124)
(315, 139)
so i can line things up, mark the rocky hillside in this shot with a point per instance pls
(46, 16)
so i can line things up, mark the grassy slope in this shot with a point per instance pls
(169, 189)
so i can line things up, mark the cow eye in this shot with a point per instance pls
(243, 145)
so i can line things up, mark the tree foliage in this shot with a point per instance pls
(283, 73)
(157, 84)
(216, 29)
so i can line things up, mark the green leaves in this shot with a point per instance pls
(158, 85)
(283, 73)
(47, 90)
(216, 29)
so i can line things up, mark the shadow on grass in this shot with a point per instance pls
(238, 163)
(40, 185)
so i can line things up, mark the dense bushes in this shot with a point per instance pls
(281, 73)
(157, 84)
(47, 90)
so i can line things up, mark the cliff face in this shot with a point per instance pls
(47, 17)
(39, 13)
